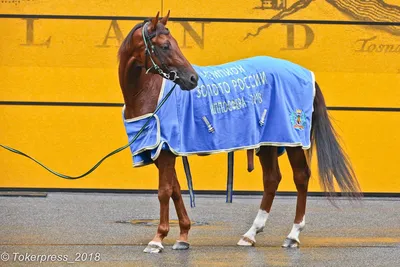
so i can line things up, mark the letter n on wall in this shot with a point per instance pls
(197, 38)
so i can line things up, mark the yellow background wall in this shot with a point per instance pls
(68, 61)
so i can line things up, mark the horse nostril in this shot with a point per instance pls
(193, 79)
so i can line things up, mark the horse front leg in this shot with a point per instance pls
(166, 169)
(184, 221)
(271, 178)
(301, 175)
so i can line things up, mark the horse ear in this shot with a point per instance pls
(154, 22)
(164, 20)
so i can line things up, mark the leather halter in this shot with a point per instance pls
(151, 49)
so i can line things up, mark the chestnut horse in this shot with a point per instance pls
(150, 54)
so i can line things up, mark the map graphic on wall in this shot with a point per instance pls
(360, 10)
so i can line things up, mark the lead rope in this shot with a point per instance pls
(104, 158)
(166, 76)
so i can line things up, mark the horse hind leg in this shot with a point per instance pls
(271, 178)
(166, 168)
(301, 175)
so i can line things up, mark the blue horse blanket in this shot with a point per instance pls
(239, 105)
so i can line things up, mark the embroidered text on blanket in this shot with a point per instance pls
(238, 105)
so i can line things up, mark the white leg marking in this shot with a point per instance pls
(292, 240)
(296, 229)
(154, 247)
(257, 227)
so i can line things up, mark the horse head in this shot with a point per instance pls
(155, 49)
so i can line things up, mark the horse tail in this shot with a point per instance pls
(333, 163)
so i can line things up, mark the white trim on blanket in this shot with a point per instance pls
(144, 116)
(179, 154)
(158, 140)
(141, 117)
(313, 82)
(147, 114)
(314, 92)
(159, 143)
(161, 91)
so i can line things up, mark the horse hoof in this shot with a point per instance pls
(290, 243)
(246, 242)
(180, 245)
(154, 247)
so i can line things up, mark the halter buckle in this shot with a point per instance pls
(175, 75)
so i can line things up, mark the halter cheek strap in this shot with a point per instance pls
(149, 50)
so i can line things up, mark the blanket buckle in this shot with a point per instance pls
(209, 126)
(262, 121)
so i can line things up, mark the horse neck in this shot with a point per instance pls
(141, 92)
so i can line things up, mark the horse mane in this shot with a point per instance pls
(124, 51)
(126, 44)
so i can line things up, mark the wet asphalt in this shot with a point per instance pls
(113, 229)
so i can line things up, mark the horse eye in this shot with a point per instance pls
(165, 47)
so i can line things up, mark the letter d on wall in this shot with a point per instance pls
(291, 37)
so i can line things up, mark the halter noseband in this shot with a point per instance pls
(172, 75)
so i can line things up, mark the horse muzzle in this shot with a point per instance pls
(188, 82)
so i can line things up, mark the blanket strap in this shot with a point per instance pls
(250, 160)
(186, 167)
(229, 183)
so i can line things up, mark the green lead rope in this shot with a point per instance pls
(105, 157)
